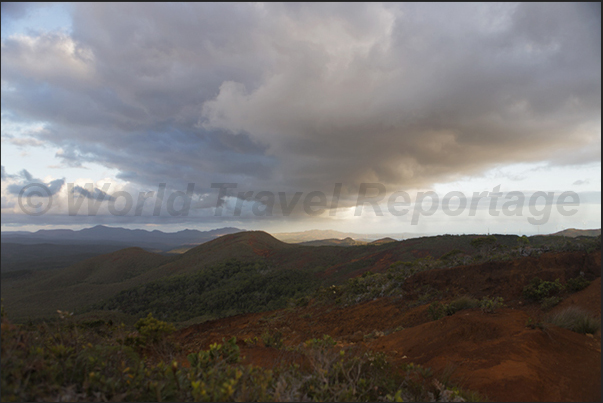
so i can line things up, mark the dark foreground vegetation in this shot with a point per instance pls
(97, 361)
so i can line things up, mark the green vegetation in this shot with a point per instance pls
(66, 361)
(437, 310)
(490, 305)
(539, 289)
(577, 283)
(460, 304)
(36, 294)
(451, 254)
(369, 286)
(48, 256)
(549, 302)
(272, 339)
(225, 289)
(152, 330)
(574, 319)
(484, 243)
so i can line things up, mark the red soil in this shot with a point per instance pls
(497, 355)
(493, 354)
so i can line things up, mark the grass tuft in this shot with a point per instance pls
(574, 319)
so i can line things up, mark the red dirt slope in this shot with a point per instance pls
(589, 299)
(495, 354)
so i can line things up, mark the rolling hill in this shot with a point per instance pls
(333, 242)
(104, 276)
(573, 232)
(48, 256)
(40, 294)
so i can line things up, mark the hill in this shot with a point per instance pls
(573, 233)
(383, 241)
(39, 294)
(251, 254)
(496, 354)
(430, 329)
(333, 242)
(48, 256)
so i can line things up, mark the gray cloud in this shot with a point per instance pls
(15, 10)
(24, 178)
(95, 194)
(297, 97)
(4, 175)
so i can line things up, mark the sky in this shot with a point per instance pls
(133, 114)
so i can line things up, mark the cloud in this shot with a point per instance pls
(4, 175)
(298, 97)
(95, 194)
(24, 178)
(15, 10)
(26, 142)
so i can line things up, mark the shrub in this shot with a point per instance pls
(70, 363)
(436, 311)
(272, 339)
(326, 342)
(574, 319)
(488, 305)
(484, 243)
(577, 283)
(539, 289)
(550, 302)
(229, 352)
(153, 330)
(451, 254)
(460, 304)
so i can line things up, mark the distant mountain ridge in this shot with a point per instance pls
(115, 235)
(320, 235)
(333, 242)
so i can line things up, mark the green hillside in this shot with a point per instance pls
(97, 280)
(39, 294)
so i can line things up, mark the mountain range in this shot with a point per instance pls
(114, 235)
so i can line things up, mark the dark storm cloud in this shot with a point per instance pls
(14, 10)
(95, 194)
(301, 96)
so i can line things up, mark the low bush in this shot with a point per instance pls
(153, 330)
(436, 311)
(488, 305)
(574, 319)
(539, 289)
(549, 302)
(65, 361)
(577, 283)
(460, 304)
(272, 339)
